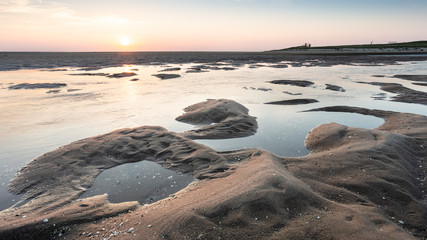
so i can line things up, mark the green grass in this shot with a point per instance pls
(416, 44)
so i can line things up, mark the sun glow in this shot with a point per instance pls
(125, 41)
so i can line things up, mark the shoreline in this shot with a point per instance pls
(350, 52)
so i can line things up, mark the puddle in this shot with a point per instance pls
(145, 182)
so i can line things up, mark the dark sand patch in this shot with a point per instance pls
(299, 83)
(195, 70)
(121, 75)
(114, 75)
(134, 79)
(417, 78)
(334, 88)
(223, 119)
(293, 94)
(420, 84)
(258, 89)
(213, 66)
(164, 76)
(294, 101)
(36, 85)
(223, 68)
(257, 65)
(264, 89)
(367, 182)
(278, 66)
(379, 96)
(170, 69)
(89, 74)
(73, 89)
(404, 94)
(54, 91)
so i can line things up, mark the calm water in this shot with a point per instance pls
(35, 121)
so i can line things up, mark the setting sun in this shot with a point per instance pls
(124, 41)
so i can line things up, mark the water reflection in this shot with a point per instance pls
(283, 134)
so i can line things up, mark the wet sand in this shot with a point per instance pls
(370, 183)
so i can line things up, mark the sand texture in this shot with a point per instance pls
(355, 184)
(218, 119)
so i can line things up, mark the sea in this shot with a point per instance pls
(80, 95)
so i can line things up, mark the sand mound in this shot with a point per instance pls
(60, 176)
(224, 119)
(355, 184)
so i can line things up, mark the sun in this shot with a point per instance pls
(125, 41)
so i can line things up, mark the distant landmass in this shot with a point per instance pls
(415, 47)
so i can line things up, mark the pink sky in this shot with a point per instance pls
(205, 25)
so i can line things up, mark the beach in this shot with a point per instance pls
(268, 147)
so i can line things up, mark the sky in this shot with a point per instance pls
(205, 25)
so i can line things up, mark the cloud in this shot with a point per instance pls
(73, 19)
(17, 6)
(60, 12)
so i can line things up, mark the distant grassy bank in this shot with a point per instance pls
(415, 46)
